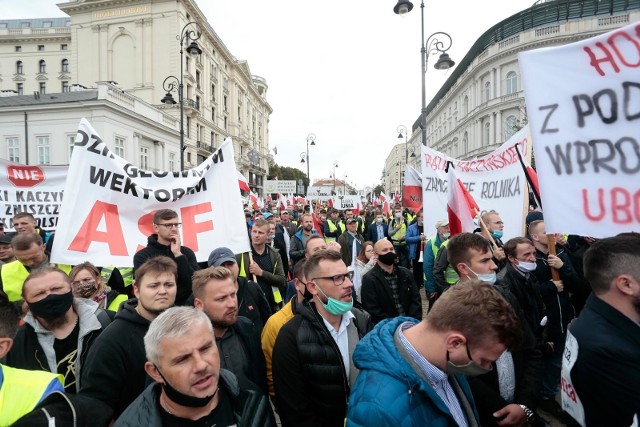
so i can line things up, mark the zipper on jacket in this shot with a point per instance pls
(335, 347)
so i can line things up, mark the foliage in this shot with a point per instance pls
(287, 173)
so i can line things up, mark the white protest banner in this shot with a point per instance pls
(109, 205)
(319, 192)
(347, 202)
(32, 189)
(583, 102)
(496, 182)
(279, 186)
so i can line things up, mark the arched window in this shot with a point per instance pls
(512, 82)
(510, 127)
(465, 144)
(42, 66)
(19, 68)
(487, 91)
(64, 66)
(465, 105)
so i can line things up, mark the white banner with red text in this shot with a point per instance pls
(109, 205)
(583, 102)
(496, 182)
(32, 189)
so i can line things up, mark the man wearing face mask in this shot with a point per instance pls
(507, 396)
(495, 228)
(470, 256)
(389, 290)
(59, 329)
(378, 230)
(190, 387)
(312, 367)
(413, 372)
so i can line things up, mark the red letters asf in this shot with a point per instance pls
(113, 236)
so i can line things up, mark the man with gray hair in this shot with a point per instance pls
(183, 359)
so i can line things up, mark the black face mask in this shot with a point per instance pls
(52, 307)
(387, 259)
(184, 399)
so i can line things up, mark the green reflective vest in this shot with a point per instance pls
(450, 275)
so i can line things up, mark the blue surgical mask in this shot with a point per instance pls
(497, 234)
(334, 306)
(487, 278)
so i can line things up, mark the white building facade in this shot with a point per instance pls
(481, 105)
(133, 45)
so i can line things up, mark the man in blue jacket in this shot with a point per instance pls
(413, 373)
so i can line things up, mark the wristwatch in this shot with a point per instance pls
(528, 412)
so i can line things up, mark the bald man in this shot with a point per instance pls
(389, 290)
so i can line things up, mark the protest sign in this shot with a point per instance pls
(583, 102)
(495, 181)
(351, 202)
(109, 204)
(412, 189)
(37, 190)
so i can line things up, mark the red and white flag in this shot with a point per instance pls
(242, 182)
(461, 207)
(385, 204)
(254, 200)
(412, 189)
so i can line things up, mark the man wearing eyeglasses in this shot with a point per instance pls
(166, 241)
(313, 371)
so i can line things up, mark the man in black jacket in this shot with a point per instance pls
(252, 302)
(389, 290)
(190, 386)
(600, 369)
(237, 340)
(166, 241)
(313, 369)
(114, 371)
(511, 389)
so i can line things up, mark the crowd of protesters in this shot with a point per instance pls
(322, 323)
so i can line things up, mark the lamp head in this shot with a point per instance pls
(444, 62)
(168, 99)
(194, 49)
(403, 7)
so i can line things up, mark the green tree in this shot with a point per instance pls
(379, 189)
(287, 173)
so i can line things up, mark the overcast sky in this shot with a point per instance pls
(347, 71)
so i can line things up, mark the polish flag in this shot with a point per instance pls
(254, 200)
(385, 204)
(461, 207)
(412, 189)
(242, 182)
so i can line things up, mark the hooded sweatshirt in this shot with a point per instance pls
(114, 370)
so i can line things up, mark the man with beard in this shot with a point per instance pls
(114, 369)
(215, 293)
(29, 251)
(312, 367)
(6, 251)
(298, 241)
(59, 329)
(389, 290)
(600, 369)
(191, 388)
(166, 241)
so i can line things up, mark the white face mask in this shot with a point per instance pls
(487, 278)
(526, 267)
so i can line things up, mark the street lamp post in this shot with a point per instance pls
(432, 47)
(335, 165)
(304, 157)
(188, 36)
(344, 185)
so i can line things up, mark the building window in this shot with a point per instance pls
(213, 115)
(512, 82)
(47, 24)
(40, 48)
(20, 88)
(198, 79)
(13, 150)
(64, 66)
(19, 67)
(465, 106)
(18, 49)
(510, 127)
(188, 127)
(119, 143)
(487, 91)
(172, 161)
(213, 140)
(42, 66)
(71, 142)
(65, 87)
(189, 157)
(64, 46)
(44, 150)
(25, 24)
(144, 158)
(43, 88)
(486, 134)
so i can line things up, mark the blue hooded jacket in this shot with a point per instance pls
(388, 391)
